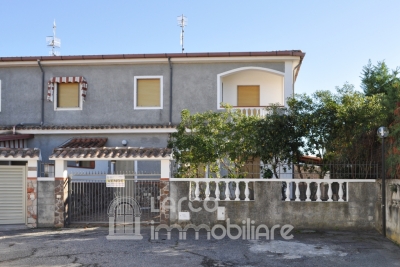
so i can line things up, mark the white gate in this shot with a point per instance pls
(12, 194)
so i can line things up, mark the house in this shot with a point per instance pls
(105, 113)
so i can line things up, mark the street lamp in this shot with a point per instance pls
(383, 132)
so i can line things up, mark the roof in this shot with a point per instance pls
(84, 143)
(18, 153)
(310, 159)
(11, 137)
(298, 53)
(87, 127)
(111, 153)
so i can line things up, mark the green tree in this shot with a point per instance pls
(214, 139)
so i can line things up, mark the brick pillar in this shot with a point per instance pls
(31, 202)
(164, 193)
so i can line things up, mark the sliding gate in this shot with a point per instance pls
(89, 196)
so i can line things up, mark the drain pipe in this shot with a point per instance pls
(42, 109)
(40, 65)
(170, 91)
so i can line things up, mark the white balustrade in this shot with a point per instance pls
(287, 192)
(237, 192)
(297, 193)
(217, 193)
(207, 191)
(308, 192)
(252, 111)
(341, 192)
(318, 191)
(318, 194)
(330, 192)
(247, 191)
(227, 192)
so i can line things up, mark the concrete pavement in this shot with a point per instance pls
(89, 247)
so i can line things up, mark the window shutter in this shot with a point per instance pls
(68, 95)
(248, 96)
(148, 93)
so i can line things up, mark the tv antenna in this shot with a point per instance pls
(54, 42)
(182, 22)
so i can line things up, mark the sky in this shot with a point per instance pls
(338, 37)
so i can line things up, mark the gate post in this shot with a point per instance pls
(60, 192)
(164, 191)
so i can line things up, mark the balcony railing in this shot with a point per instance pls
(252, 111)
(256, 111)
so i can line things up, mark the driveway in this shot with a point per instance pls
(90, 247)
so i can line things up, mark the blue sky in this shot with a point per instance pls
(339, 37)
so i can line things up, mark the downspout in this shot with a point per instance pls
(170, 91)
(42, 109)
(40, 65)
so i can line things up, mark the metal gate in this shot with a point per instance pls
(89, 197)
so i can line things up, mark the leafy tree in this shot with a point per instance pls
(379, 79)
(214, 139)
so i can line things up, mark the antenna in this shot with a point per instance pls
(54, 42)
(182, 22)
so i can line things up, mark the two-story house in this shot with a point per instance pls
(115, 112)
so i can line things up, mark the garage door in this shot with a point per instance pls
(12, 194)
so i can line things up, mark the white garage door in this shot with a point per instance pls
(12, 194)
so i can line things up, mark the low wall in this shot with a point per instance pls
(268, 208)
(392, 209)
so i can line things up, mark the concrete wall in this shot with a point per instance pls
(268, 208)
(110, 92)
(392, 209)
(46, 202)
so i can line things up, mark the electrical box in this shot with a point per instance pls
(184, 216)
(221, 214)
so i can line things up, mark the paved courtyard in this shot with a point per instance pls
(89, 247)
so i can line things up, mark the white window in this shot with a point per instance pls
(67, 96)
(0, 95)
(148, 92)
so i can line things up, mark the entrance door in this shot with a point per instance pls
(12, 194)
(248, 95)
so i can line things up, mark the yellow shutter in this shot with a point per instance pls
(248, 96)
(148, 93)
(68, 95)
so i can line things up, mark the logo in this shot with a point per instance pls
(124, 219)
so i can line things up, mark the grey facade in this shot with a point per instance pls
(110, 94)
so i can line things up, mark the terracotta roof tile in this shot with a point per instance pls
(87, 127)
(12, 153)
(84, 143)
(111, 153)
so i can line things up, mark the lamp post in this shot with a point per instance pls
(383, 132)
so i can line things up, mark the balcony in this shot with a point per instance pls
(252, 111)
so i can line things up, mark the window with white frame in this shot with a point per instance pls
(0, 95)
(148, 92)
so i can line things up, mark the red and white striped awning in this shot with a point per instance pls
(51, 84)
